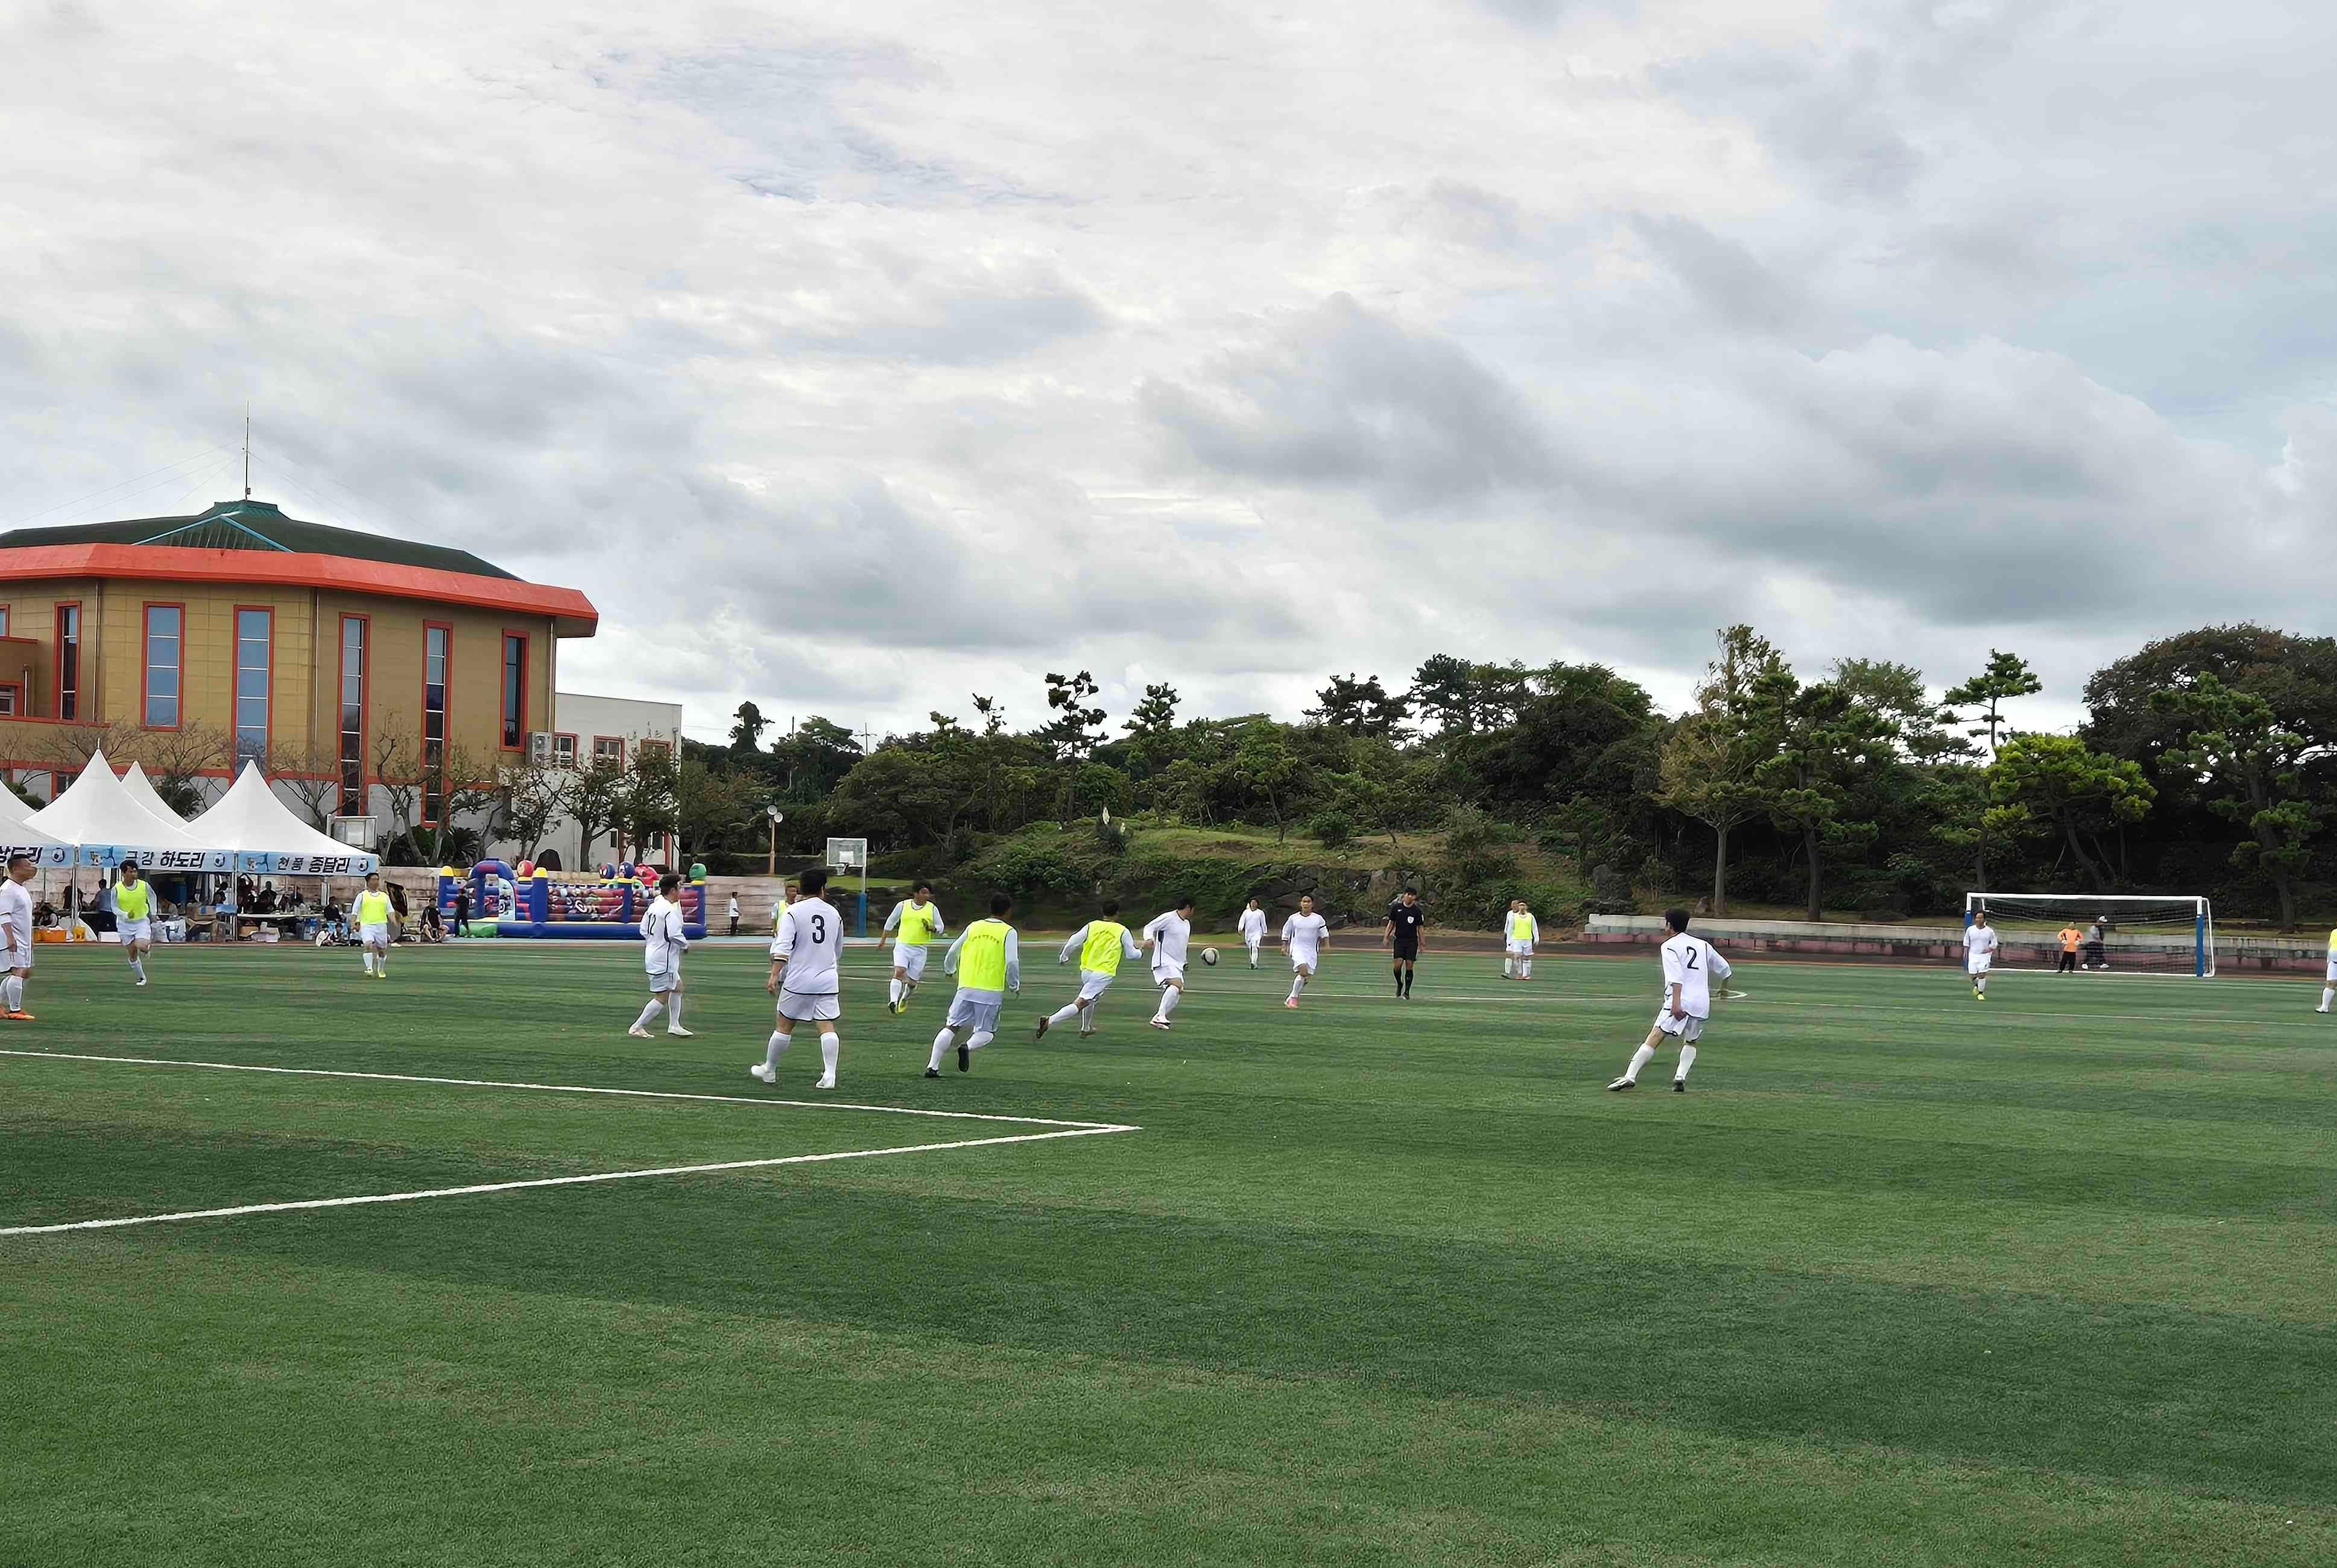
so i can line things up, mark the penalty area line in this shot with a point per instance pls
(242, 1208)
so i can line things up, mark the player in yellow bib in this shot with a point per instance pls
(373, 916)
(1100, 943)
(1519, 932)
(2329, 980)
(987, 959)
(134, 917)
(918, 923)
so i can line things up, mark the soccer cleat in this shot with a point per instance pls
(681, 1034)
(825, 1084)
(762, 1075)
(1041, 1034)
(142, 983)
(1619, 1085)
(18, 1017)
(1679, 1085)
(2321, 1009)
(1158, 1022)
(637, 1033)
(965, 1058)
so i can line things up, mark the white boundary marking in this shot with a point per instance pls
(1061, 1129)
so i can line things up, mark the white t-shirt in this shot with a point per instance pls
(1253, 927)
(1980, 946)
(1304, 934)
(662, 937)
(811, 939)
(734, 906)
(1168, 933)
(16, 910)
(1690, 964)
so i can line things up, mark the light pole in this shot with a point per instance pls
(771, 866)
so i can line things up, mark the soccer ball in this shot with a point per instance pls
(1210, 957)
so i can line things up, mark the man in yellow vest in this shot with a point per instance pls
(987, 959)
(1100, 943)
(2329, 980)
(1519, 932)
(918, 922)
(372, 917)
(134, 917)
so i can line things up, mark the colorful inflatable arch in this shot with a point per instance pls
(568, 906)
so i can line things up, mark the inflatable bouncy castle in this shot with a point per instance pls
(526, 900)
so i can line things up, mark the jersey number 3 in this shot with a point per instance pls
(819, 930)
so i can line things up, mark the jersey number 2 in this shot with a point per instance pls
(1691, 959)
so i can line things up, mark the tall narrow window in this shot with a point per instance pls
(353, 715)
(254, 669)
(515, 692)
(3, 620)
(68, 661)
(164, 623)
(435, 651)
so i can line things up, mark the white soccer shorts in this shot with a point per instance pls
(1162, 974)
(1094, 982)
(21, 957)
(2331, 979)
(137, 931)
(910, 960)
(374, 935)
(797, 1008)
(666, 979)
(1300, 958)
(1521, 949)
(1688, 1029)
(974, 1010)
(1978, 964)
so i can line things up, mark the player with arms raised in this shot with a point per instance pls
(1100, 943)
(1302, 936)
(1167, 936)
(1979, 953)
(918, 922)
(1690, 966)
(804, 977)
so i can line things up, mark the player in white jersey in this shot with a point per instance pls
(1167, 936)
(1302, 936)
(665, 937)
(2329, 980)
(806, 979)
(1252, 928)
(1979, 953)
(16, 938)
(1519, 932)
(1690, 966)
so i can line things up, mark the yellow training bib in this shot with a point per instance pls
(982, 962)
(1104, 947)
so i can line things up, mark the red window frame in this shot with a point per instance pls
(3, 617)
(15, 691)
(58, 675)
(146, 664)
(513, 724)
(569, 736)
(235, 691)
(445, 713)
(619, 740)
(365, 709)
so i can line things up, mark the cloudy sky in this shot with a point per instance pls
(855, 357)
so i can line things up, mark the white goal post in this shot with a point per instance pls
(2100, 933)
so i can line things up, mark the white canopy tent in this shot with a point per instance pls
(110, 826)
(254, 826)
(141, 789)
(18, 834)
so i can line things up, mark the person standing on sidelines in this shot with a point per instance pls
(987, 959)
(664, 939)
(1979, 953)
(373, 915)
(1406, 921)
(918, 921)
(1690, 966)
(1253, 930)
(1169, 937)
(133, 916)
(16, 938)
(2069, 938)
(733, 914)
(1100, 943)
(806, 979)
(1302, 936)
(2329, 979)
(1519, 932)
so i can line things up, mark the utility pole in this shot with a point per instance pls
(246, 452)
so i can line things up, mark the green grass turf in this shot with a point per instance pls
(1905, 1279)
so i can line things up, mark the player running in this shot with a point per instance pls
(918, 922)
(373, 915)
(1100, 943)
(1252, 927)
(133, 910)
(1404, 922)
(987, 959)
(1169, 937)
(1302, 936)
(804, 977)
(1690, 966)
(16, 938)
(1979, 953)
(664, 939)
(1519, 932)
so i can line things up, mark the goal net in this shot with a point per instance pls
(2095, 934)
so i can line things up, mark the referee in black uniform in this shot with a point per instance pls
(1405, 917)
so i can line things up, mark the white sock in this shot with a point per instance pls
(1062, 1014)
(368, 958)
(2328, 993)
(773, 1049)
(1297, 983)
(1640, 1058)
(1169, 996)
(893, 992)
(1688, 1059)
(648, 1013)
(673, 1013)
(138, 968)
(1525, 968)
(831, 1046)
(980, 1037)
(1509, 968)
(941, 1043)
(1980, 982)
(12, 991)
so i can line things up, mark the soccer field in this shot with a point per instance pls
(1903, 1278)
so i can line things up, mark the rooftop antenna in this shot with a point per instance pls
(247, 452)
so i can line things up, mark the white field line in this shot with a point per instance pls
(552, 1182)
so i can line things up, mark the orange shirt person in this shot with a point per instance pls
(2071, 937)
